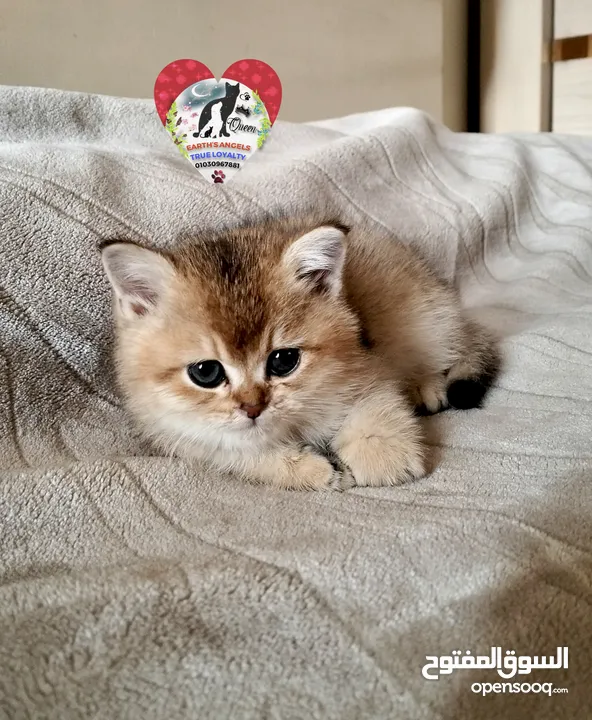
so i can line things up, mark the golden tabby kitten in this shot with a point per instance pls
(293, 353)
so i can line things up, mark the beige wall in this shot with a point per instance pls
(334, 57)
(515, 76)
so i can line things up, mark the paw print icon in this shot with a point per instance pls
(218, 176)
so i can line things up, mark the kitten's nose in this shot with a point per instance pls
(252, 411)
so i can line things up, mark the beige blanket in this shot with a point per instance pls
(136, 586)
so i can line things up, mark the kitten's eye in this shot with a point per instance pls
(207, 374)
(283, 362)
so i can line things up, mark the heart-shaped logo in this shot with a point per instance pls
(218, 124)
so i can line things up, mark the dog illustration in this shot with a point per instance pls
(212, 121)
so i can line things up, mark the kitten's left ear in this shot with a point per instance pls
(139, 276)
(317, 258)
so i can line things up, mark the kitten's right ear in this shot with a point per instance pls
(138, 276)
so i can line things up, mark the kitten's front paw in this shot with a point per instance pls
(343, 480)
(310, 471)
(379, 460)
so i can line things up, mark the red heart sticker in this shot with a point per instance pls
(218, 125)
(173, 79)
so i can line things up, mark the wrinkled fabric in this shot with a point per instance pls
(133, 585)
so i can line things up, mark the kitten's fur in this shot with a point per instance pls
(379, 333)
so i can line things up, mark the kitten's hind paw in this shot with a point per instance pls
(430, 397)
(469, 380)
(466, 394)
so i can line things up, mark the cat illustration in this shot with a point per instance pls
(212, 121)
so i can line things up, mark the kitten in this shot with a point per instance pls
(293, 353)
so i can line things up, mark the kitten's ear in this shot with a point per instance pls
(317, 259)
(138, 276)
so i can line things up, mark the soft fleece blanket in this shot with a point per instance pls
(141, 587)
